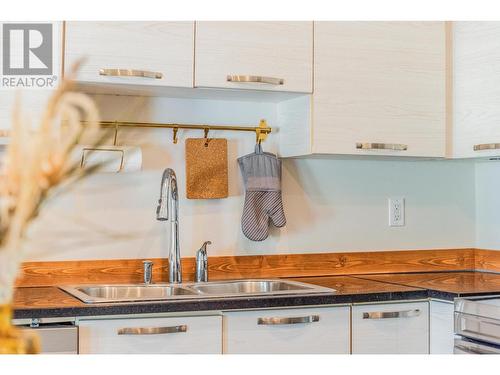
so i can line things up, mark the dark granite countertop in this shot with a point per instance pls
(44, 302)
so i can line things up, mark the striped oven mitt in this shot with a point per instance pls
(261, 173)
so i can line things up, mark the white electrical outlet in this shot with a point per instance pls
(396, 212)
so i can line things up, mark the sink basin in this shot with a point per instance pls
(214, 289)
(127, 293)
(251, 287)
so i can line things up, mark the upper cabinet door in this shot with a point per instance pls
(273, 56)
(476, 88)
(132, 53)
(380, 88)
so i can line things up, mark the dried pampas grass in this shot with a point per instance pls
(38, 163)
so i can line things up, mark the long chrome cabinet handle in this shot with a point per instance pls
(255, 79)
(130, 73)
(290, 320)
(152, 330)
(391, 314)
(381, 146)
(487, 146)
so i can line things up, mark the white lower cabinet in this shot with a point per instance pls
(382, 328)
(441, 327)
(393, 328)
(305, 331)
(176, 335)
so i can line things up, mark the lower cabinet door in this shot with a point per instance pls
(441, 327)
(178, 335)
(308, 330)
(56, 338)
(395, 328)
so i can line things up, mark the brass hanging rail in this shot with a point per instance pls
(260, 131)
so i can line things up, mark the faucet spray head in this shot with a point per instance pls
(161, 211)
(168, 189)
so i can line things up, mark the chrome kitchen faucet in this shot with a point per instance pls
(168, 209)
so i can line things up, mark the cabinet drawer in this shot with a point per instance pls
(310, 330)
(396, 328)
(179, 335)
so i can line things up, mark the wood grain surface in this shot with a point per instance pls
(43, 298)
(353, 285)
(88, 271)
(255, 266)
(487, 260)
(453, 282)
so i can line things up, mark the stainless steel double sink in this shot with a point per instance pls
(216, 289)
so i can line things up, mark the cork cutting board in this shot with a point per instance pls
(206, 168)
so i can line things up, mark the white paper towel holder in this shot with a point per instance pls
(112, 148)
(91, 149)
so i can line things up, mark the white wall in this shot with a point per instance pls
(488, 205)
(330, 204)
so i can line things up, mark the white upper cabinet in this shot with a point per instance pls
(476, 89)
(132, 53)
(379, 89)
(275, 56)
